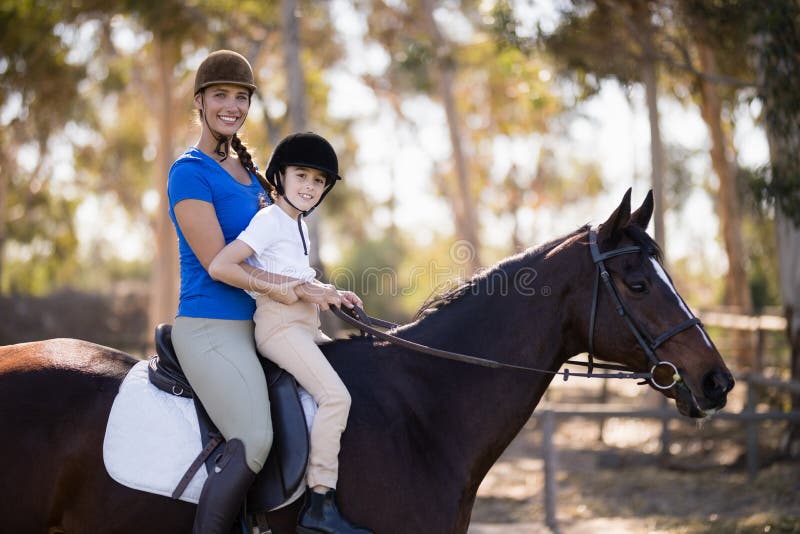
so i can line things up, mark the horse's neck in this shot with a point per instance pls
(485, 408)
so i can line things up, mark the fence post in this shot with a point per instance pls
(761, 341)
(752, 430)
(665, 433)
(550, 469)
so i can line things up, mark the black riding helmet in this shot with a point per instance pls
(305, 149)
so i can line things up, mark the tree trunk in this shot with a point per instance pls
(4, 178)
(650, 78)
(729, 207)
(164, 287)
(788, 241)
(464, 204)
(298, 114)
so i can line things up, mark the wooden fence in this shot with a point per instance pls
(749, 415)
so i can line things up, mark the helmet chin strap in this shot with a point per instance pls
(306, 213)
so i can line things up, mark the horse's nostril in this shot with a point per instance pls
(729, 382)
(716, 384)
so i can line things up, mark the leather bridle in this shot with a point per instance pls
(645, 341)
(366, 324)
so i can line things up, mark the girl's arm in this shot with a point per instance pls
(228, 266)
(197, 220)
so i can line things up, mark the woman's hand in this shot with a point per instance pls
(323, 295)
(284, 293)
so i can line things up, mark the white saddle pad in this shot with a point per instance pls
(152, 437)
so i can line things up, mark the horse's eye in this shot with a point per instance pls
(638, 287)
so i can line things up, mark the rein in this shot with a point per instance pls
(358, 318)
(364, 323)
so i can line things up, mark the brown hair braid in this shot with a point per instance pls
(247, 162)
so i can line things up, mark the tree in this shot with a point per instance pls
(614, 39)
(696, 44)
(445, 72)
(776, 56)
(427, 62)
(38, 88)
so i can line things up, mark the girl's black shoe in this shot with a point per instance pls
(320, 515)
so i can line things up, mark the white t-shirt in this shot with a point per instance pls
(275, 239)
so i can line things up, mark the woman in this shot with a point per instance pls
(213, 194)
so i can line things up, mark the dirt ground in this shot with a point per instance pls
(612, 479)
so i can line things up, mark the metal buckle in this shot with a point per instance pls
(676, 377)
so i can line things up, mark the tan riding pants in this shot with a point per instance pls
(220, 360)
(286, 335)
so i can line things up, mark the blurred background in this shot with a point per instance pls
(467, 130)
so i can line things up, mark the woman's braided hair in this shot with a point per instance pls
(247, 162)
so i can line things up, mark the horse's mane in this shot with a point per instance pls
(439, 299)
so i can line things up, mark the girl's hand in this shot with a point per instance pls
(350, 299)
(323, 295)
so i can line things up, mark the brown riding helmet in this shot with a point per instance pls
(224, 67)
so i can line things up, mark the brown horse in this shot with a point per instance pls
(422, 432)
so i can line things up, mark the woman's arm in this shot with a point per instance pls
(197, 220)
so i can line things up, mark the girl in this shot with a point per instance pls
(303, 169)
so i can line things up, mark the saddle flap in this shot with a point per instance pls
(288, 458)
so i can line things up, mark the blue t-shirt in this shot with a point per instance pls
(195, 175)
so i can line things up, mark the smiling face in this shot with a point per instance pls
(303, 187)
(224, 108)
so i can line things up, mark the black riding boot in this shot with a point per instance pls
(224, 491)
(320, 515)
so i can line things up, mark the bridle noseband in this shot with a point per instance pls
(366, 324)
(646, 342)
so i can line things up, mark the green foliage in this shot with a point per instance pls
(34, 66)
(44, 243)
(370, 269)
(502, 27)
(777, 31)
(593, 42)
(760, 246)
(39, 87)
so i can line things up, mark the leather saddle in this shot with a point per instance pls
(286, 464)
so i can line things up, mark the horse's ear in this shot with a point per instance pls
(610, 230)
(641, 217)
